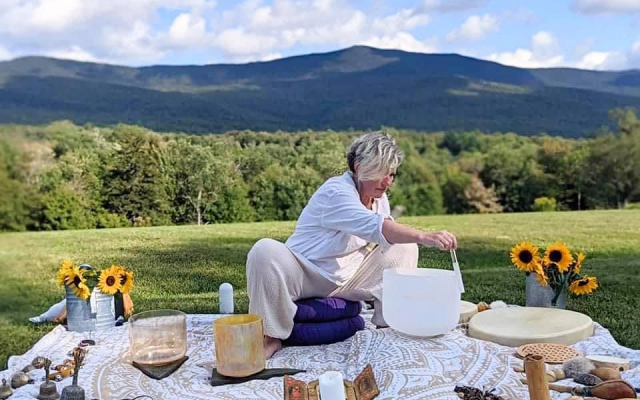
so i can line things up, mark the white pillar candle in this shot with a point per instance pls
(332, 386)
(225, 298)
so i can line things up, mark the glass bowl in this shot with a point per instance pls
(158, 337)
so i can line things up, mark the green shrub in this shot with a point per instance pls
(544, 204)
(632, 206)
(64, 209)
(110, 220)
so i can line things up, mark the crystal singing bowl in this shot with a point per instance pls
(421, 302)
(158, 337)
(239, 345)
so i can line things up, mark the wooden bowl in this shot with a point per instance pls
(620, 364)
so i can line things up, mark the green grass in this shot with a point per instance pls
(182, 267)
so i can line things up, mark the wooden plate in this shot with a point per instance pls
(552, 353)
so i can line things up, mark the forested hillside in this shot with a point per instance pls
(66, 176)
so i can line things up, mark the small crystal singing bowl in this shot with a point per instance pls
(158, 337)
(239, 345)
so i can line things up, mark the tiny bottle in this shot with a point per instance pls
(225, 296)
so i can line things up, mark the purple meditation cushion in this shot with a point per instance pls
(323, 309)
(316, 333)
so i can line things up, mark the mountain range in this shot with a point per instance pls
(355, 88)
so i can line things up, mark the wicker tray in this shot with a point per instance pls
(552, 353)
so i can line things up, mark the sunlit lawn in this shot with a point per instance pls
(182, 267)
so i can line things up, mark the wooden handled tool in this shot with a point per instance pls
(611, 390)
(536, 377)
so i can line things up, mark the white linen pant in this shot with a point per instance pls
(275, 279)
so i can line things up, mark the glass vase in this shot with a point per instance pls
(542, 296)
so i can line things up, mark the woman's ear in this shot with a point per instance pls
(356, 167)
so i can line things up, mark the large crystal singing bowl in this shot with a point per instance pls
(158, 337)
(420, 301)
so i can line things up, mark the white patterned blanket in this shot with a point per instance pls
(405, 368)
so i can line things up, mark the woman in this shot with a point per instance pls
(344, 238)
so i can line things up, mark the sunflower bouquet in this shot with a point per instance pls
(111, 281)
(556, 268)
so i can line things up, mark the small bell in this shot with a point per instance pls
(73, 391)
(225, 297)
(48, 390)
(5, 390)
(19, 379)
(28, 368)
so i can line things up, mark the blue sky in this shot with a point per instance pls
(588, 34)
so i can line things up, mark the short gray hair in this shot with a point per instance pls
(377, 155)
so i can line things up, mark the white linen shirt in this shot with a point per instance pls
(334, 229)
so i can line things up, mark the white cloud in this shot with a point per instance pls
(447, 6)
(238, 42)
(255, 29)
(602, 60)
(606, 6)
(73, 53)
(4, 54)
(544, 44)
(187, 29)
(57, 15)
(122, 31)
(402, 20)
(262, 30)
(401, 41)
(544, 53)
(271, 56)
(138, 43)
(525, 59)
(137, 32)
(474, 28)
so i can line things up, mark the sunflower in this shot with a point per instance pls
(559, 255)
(109, 281)
(525, 257)
(540, 275)
(63, 272)
(82, 291)
(585, 285)
(78, 283)
(578, 265)
(126, 280)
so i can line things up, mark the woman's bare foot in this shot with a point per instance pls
(271, 345)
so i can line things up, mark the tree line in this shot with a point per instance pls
(64, 176)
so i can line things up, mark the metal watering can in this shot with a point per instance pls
(97, 314)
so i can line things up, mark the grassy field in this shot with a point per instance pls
(182, 267)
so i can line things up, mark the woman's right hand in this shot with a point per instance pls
(442, 240)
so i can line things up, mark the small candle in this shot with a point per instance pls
(332, 386)
(225, 298)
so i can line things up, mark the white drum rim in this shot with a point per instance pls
(532, 338)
